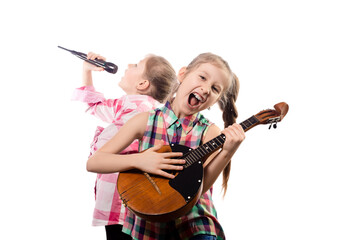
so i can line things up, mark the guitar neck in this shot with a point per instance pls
(203, 151)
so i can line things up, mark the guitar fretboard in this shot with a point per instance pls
(214, 144)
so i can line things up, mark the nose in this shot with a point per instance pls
(206, 89)
(130, 65)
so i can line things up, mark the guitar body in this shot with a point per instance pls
(155, 198)
(160, 199)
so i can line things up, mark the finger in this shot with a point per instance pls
(98, 69)
(158, 147)
(232, 134)
(238, 132)
(171, 167)
(95, 56)
(101, 57)
(165, 174)
(233, 130)
(239, 129)
(90, 55)
(228, 132)
(171, 154)
(174, 161)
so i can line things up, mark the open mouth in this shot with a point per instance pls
(195, 99)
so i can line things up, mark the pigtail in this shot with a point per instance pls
(226, 101)
(230, 114)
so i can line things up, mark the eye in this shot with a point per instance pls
(202, 77)
(215, 89)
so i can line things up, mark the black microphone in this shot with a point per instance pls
(108, 66)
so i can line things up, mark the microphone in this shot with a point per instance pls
(108, 66)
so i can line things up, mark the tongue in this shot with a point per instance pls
(193, 101)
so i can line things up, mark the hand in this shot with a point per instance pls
(153, 162)
(90, 67)
(234, 136)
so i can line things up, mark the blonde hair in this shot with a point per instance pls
(161, 75)
(227, 99)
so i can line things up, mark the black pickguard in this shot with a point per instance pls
(189, 180)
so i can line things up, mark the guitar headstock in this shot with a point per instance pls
(271, 116)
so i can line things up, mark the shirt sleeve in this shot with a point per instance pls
(104, 109)
(134, 105)
(146, 106)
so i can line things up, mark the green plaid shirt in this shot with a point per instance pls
(202, 219)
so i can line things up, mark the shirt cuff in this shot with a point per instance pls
(87, 94)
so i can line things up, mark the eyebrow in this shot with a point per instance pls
(204, 73)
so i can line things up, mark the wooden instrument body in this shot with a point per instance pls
(160, 199)
(155, 198)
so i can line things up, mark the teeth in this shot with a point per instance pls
(198, 97)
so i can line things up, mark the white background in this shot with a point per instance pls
(300, 181)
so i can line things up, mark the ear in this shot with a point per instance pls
(181, 74)
(143, 85)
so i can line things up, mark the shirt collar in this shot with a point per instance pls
(187, 123)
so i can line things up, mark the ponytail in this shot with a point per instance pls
(230, 113)
(161, 75)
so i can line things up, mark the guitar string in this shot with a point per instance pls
(200, 152)
(135, 184)
(128, 195)
(134, 194)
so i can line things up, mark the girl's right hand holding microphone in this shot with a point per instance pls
(90, 67)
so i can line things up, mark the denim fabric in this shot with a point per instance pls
(203, 237)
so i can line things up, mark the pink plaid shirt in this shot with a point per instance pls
(108, 206)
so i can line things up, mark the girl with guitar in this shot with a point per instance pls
(207, 80)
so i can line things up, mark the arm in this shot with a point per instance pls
(104, 109)
(216, 162)
(88, 68)
(106, 159)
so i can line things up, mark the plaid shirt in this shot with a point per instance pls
(108, 206)
(202, 219)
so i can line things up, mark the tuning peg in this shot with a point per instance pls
(274, 125)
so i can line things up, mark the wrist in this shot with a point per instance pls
(133, 161)
(86, 70)
(227, 153)
(87, 77)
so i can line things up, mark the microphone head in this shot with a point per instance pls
(110, 67)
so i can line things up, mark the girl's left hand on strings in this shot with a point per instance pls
(234, 136)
